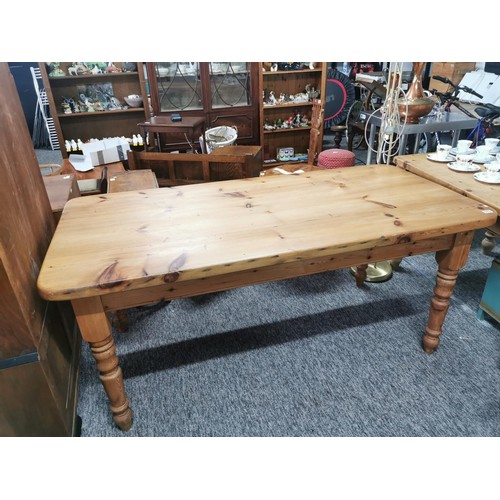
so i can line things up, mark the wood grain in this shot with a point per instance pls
(463, 183)
(138, 239)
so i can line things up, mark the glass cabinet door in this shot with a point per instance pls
(229, 84)
(225, 93)
(179, 86)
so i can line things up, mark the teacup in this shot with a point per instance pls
(442, 151)
(463, 145)
(464, 160)
(491, 143)
(493, 170)
(483, 153)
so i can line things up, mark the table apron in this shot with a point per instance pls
(124, 299)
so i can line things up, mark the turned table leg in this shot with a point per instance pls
(488, 243)
(96, 330)
(450, 262)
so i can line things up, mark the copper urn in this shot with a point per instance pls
(415, 104)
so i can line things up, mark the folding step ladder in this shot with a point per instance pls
(44, 130)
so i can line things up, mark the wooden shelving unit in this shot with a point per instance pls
(96, 124)
(290, 82)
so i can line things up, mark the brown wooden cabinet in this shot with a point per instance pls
(110, 122)
(225, 93)
(39, 340)
(287, 82)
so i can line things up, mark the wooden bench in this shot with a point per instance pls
(174, 169)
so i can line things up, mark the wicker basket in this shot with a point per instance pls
(220, 136)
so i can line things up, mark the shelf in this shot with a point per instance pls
(98, 124)
(289, 105)
(98, 76)
(283, 130)
(292, 72)
(100, 113)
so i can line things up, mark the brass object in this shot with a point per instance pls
(415, 104)
(377, 272)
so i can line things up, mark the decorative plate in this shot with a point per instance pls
(457, 167)
(487, 177)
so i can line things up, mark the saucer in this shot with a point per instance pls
(483, 159)
(434, 157)
(454, 151)
(486, 177)
(457, 167)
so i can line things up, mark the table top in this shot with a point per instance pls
(430, 123)
(166, 121)
(132, 180)
(136, 239)
(463, 183)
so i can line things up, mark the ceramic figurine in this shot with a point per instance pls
(274, 67)
(268, 126)
(300, 98)
(272, 98)
(129, 66)
(111, 68)
(55, 70)
(311, 92)
(114, 103)
(66, 108)
(96, 70)
(78, 69)
(89, 105)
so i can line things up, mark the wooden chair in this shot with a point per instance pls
(174, 169)
(317, 117)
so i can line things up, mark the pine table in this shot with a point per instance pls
(120, 250)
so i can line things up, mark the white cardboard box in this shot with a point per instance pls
(109, 150)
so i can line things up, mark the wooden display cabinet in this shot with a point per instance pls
(224, 93)
(39, 340)
(96, 124)
(289, 82)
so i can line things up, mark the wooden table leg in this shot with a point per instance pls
(360, 274)
(96, 330)
(488, 243)
(450, 262)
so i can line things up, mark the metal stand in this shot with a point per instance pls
(377, 272)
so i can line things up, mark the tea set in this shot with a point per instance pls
(463, 158)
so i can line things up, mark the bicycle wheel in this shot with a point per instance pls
(355, 127)
(427, 144)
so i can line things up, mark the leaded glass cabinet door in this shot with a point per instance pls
(178, 86)
(225, 93)
(230, 84)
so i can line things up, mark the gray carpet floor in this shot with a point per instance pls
(311, 356)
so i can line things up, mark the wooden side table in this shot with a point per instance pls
(132, 180)
(192, 125)
(60, 189)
